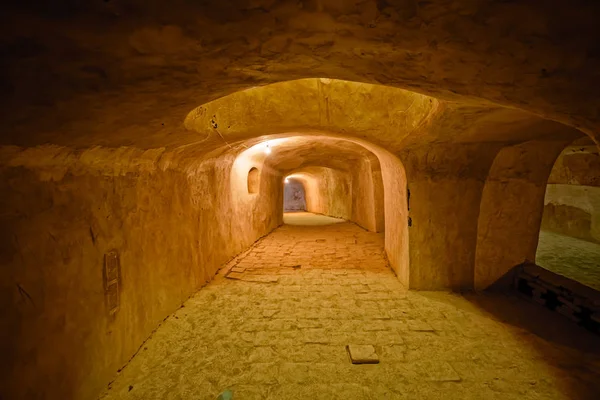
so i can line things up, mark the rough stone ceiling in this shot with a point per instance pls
(308, 173)
(389, 117)
(295, 153)
(127, 72)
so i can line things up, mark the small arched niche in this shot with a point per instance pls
(253, 180)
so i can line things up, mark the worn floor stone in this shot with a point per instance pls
(285, 337)
(362, 354)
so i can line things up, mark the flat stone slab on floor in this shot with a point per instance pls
(419, 326)
(439, 371)
(362, 354)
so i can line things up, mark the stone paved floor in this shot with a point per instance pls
(571, 257)
(276, 328)
(306, 218)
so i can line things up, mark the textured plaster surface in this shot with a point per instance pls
(274, 330)
(172, 217)
(172, 227)
(446, 185)
(511, 209)
(388, 117)
(368, 195)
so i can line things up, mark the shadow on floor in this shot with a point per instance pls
(570, 351)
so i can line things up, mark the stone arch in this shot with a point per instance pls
(391, 208)
(448, 150)
(511, 207)
(572, 203)
(329, 191)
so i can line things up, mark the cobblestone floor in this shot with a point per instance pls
(276, 328)
(571, 257)
(307, 219)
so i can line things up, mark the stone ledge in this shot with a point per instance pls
(572, 299)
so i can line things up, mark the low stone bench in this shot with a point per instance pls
(572, 299)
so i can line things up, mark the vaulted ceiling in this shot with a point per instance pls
(127, 72)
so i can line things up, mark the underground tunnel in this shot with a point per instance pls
(300, 200)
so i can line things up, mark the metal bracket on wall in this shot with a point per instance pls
(112, 281)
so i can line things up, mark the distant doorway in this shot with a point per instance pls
(294, 196)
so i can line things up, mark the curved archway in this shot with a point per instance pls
(293, 152)
(447, 148)
(447, 158)
(329, 191)
(294, 195)
(569, 235)
(511, 209)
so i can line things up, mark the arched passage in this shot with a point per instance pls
(175, 240)
(511, 208)
(294, 195)
(448, 150)
(376, 189)
(328, 191)
(569, 237)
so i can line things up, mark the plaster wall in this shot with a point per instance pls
(395, 214)
(511, 209)
(446, 184)
(173, 224)
(367, 196)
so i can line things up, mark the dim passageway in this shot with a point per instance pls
(275, 323)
